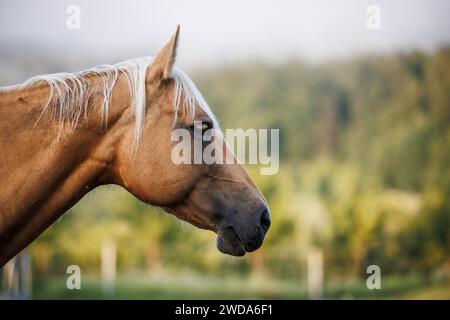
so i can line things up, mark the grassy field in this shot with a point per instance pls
(197, 287)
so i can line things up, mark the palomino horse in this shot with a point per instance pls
(62, 135)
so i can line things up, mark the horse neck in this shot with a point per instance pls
(43, 175)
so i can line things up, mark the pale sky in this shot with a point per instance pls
(215, 32)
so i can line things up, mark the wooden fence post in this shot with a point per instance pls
(314, 270)
(108, 267)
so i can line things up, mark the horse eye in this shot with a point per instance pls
(201, 125)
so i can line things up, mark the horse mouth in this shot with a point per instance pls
(228, 242)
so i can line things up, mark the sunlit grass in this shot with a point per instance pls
(194, 286)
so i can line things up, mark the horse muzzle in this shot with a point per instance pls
(239, 235)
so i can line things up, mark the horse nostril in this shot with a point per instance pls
(265, 220)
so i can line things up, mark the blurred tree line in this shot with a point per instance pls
(364, 175)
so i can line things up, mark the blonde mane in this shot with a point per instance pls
(70, 92)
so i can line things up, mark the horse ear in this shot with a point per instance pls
(162, 65)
